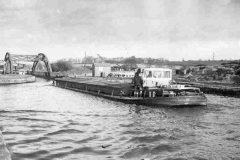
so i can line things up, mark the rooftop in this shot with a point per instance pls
(102, 65)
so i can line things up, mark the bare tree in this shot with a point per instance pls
(88, 59)
(150, 62)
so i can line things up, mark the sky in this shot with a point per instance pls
(170, 29)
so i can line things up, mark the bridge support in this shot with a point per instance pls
(8, 67)
(12, 58)
(42, 57)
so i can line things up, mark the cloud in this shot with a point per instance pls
(141, 24)
(16, 4)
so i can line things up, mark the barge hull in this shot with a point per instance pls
(193, 100)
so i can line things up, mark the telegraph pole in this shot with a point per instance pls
(85, 61)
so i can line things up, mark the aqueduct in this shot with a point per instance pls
(10, 59)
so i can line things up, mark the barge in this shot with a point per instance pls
(157, 90)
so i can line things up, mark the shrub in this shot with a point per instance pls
(236, 79)
(220, 78)
(237, 72)
(60, 66)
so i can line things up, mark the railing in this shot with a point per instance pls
(146, 92)
(163, 92)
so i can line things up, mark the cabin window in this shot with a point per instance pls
(157, 74)
(166, 74)
(145, 74)
(148, 74)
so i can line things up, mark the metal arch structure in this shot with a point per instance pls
(10, 59)
(8, 67)
(42, 57)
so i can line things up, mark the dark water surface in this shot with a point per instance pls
(42, 122)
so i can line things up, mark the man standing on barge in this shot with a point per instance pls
(138, 83)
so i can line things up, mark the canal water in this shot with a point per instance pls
(42, 122)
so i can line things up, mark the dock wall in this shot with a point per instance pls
(16, 79)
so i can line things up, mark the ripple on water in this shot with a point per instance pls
(64, 131)
(46, 123)
(30, 155)
(33, 119)
(149, 138)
